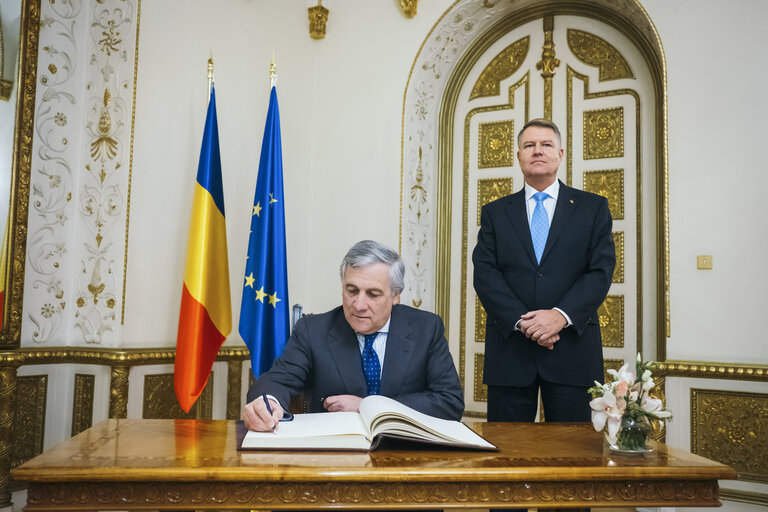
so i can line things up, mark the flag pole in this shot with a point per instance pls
(210, 75)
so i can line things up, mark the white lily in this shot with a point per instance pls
(605, 411)
(623, 374)
(654, 406)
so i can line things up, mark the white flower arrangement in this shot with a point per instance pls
(626, 398)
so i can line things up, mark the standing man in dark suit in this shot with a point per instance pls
(368, 345)
(542, 266)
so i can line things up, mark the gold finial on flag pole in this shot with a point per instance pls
(273, 70)
(210, 74)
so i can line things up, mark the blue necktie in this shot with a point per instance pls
(539, 225)
(371, 366)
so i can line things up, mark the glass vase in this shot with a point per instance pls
(633, 434)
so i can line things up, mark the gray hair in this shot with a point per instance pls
(541, 123)
(367, 253)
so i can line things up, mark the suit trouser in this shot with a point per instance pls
(562, 402)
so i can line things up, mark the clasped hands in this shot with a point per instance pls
(257, 418)
(543, 326)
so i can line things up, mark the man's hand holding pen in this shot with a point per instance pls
(263, 414)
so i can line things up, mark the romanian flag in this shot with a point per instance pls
(264, 309)
(205, 318)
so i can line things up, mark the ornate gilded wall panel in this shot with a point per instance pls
(618, 272)
(481, 390)
(609, 184)
(501, 66)
(491, 189)
(732, 427)
(160, 399)
(82, 403)
(611, 318)
(604, 133)
(595, 51)
(29, 420)
(496, 144)
(480, 318)
(234, 383)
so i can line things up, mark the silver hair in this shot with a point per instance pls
(541, 123)
(368, 252)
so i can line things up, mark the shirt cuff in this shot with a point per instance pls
(568, 322)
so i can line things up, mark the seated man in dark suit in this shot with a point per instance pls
(369, 345)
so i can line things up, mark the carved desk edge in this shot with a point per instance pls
(159, 495)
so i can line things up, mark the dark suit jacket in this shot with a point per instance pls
(323, 357)
(574, 275)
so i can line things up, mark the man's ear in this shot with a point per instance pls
(397, 299)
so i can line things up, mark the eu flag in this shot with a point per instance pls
(264, 310)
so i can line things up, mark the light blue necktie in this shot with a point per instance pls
(539, 225)
(371, 366)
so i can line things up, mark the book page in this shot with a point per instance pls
(385, 415)
(324, 430)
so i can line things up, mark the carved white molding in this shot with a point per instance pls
(450, 37)
(50, 226)
(79, 182)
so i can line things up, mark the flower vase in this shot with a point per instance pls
(633, 435)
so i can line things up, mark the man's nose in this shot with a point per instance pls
(361, 302)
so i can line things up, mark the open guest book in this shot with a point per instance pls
(379, 418)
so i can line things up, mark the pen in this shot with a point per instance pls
(269, 409)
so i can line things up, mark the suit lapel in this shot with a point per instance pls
(566, 205)
(518, 215)
(397, 353)
(345, 351)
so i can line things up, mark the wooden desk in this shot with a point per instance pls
(194, 465)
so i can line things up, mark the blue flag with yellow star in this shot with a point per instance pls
(264, 310)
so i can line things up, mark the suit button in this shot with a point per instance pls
(540, 274)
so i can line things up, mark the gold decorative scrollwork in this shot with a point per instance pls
(604, 133)
(160, 399)
(491, 189)
(618, 242)
(496, 144)
(732, 427)
(610, 185)
(480, 318)
(611, 318)
(548, 63)
(595, 51)
(234, 385)
(29, 420)
(481, 390)
(501, 67)
(318, 18)
(82, 404)
(409, 7)
(118, 392)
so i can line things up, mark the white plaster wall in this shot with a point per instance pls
(340, 107)
(717, 112)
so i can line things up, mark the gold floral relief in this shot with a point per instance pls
(604, 133)
(610, 185)
(29, 418)
(611, 318)
(491, 189)
(731, 427)
(597, 52)
(82, 403)
(502, 66)
(318, 19)
(160, 399)
(480, 318)
(481, 390)
(618, 272)
(496, 144)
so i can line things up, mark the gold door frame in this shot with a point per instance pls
(632, 21)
